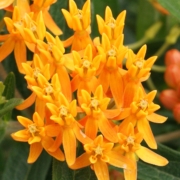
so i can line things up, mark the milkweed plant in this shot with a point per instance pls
(81, 90)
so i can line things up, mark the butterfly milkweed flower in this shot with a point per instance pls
(110, 26)
(130, 146)
(99, 154)
(35, 134)
(142, 111)
(63, 113)
(79, 21)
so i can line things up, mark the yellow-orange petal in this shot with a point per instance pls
(156, 118)
(21, 135)
(6, 48)
(144, 128)
(24, 121)
(34, 139)
(106, 129)
(65, 82)
(35, 151)
(20, 55)
(58, 154)
(101, 170)
(117, 87)
(91, 128)
(118, 160)
(27, 102)
(50, 24)
(151, 157)
(5, 3)
(69, 145)
(81, 161)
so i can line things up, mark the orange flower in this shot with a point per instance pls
(141, 112)
(64, 113)
(113, 28)
(85, 70)
(14, 40)
(35, 134)
(138, 67)
(99, 154)
(97, 114)
(79, 21)
(41, 5)
(111, 64)
(129, 145)
(53, 53)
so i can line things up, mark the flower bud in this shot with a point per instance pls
(176, 112)
(172, 57)
(169, 98)
(171, 75)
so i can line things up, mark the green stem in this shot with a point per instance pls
(151, 85)
(158, 68)
(162, 49)
(138, 43)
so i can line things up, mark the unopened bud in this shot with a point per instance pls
(171, 75)
(169, 98)
(172, 57)
(152, 31)
(173, 35)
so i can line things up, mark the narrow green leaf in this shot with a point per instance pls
(61, 171)
(172, 6)
(9, 86)
(17, 167)
(9, 105)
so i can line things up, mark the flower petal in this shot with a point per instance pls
(151, 157)
(69, 145)
(156, 118)
(101, 170)
(35, 151)
(144, 128)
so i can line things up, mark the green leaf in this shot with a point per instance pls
(61, 171)
(18, 169)
(172, 6)
(9, 105)
(168, 172)
(9, 86)
(2, 129)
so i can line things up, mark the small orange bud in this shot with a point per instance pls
(169, 98)
(176, 112)
(172, 57)
(171, 75)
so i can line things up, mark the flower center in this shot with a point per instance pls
(112, 52)
(50, 46)
(32, 128)
(49, 89)
(86, 64)
(111, 23)
(63, 110)
(130, 140)
(94, 103)
(98, 150)
(36, 72)
(143, 104)
(139, 64)
(79, 14)
(33, 28)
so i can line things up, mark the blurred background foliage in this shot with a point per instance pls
(141, 15)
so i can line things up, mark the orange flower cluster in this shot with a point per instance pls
(170, 97)
(93, 95)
